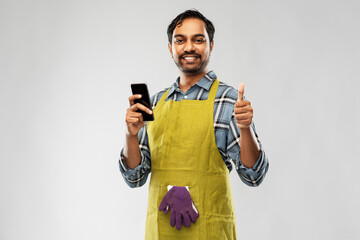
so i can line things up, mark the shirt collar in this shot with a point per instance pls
(205, 82)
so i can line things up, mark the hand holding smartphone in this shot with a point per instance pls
(141, 88)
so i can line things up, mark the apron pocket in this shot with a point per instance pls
(167, 232)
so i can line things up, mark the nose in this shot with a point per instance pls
(189, 46)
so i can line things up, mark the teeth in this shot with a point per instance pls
(189, 58)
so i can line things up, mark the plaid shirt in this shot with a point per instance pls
(227, 134)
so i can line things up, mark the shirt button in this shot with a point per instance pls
(185, 96)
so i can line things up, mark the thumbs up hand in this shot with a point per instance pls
(243, 110)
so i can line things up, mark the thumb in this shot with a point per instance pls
(163, 205)
(241, 91)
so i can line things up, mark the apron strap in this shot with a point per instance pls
(213, 90)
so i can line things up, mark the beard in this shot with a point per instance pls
(196, 67)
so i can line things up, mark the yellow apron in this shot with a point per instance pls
(184, 153)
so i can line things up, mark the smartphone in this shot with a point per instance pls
(141, 88)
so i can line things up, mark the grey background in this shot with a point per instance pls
(66, 69)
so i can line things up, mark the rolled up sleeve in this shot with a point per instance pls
(137, 177)
(250, 176)
(255, 175)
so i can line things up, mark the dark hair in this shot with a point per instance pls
(192, 13)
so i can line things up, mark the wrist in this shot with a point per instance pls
(244, 128)
(131, 137)
(246, 131)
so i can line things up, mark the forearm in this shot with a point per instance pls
(134, 122)
(134, 163)
(131, 151)
(249, 148)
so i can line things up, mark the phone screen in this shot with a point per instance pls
(141, 88)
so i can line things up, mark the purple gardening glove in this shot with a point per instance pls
(182, 208)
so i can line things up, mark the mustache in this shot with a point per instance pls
(190, 55)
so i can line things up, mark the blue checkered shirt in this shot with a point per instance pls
(227, 134)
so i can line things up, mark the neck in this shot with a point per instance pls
(187, 80)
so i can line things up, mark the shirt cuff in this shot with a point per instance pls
(134, 177)
(123, 166)
(254, 176)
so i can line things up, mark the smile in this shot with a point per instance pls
(190, 59)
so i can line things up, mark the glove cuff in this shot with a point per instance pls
(187, 188)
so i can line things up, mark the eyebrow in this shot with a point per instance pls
(196, 35)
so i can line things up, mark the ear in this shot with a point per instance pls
(211, 46)
(170, 49)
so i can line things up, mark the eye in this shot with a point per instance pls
(199, 40)
(179, 41)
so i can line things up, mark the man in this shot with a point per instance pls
(200, 126)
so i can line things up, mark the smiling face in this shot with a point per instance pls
(190, 47)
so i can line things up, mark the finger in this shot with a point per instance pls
(172, 217)
(132, 114)
(186, 219)
(242, 103)
(241, 91)
(163, 203)
(178, 220)
(243, 116)
(133, 97)
(193, 216)
(242, 110)
(140, 107)
(141, 119)
(166, 210)
(244, 123)
(132, 120)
